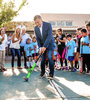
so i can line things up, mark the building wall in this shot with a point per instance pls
(77, 19)
(68, 22)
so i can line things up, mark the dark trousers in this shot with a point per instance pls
(22, 51)
(86, 61)
(60, 50)
(16, 52)
(50, 59)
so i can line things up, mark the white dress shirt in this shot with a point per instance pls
(41, 28)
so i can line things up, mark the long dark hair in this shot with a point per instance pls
(27, 40)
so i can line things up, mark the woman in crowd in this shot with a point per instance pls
(61, 46)
(15, 47)
(3, 41)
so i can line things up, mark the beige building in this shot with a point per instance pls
(68, 22)
(10, 27)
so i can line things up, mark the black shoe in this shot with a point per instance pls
(50, 76)
(42, 74)
(73, 70)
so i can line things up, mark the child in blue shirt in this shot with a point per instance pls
(28, 51)
(85, 50)
(55, 49)
(71, 50)
(35, 49)
(88, 28)
(55, 54)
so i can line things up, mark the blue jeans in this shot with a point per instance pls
(51, 62)
(16, 52)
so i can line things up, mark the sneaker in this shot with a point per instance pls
(58, 68)
(50, 76)
(42, 74)
(73, 69)
(62, 68)
(67, 68)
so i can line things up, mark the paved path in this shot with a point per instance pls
(72, 85)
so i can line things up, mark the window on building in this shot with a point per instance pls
(53, 23)
(61, 23)
(64, 23)
(68, 23)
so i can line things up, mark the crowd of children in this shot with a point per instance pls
(71, 52)
(31, 51)
(75, 54)
(76, 50)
